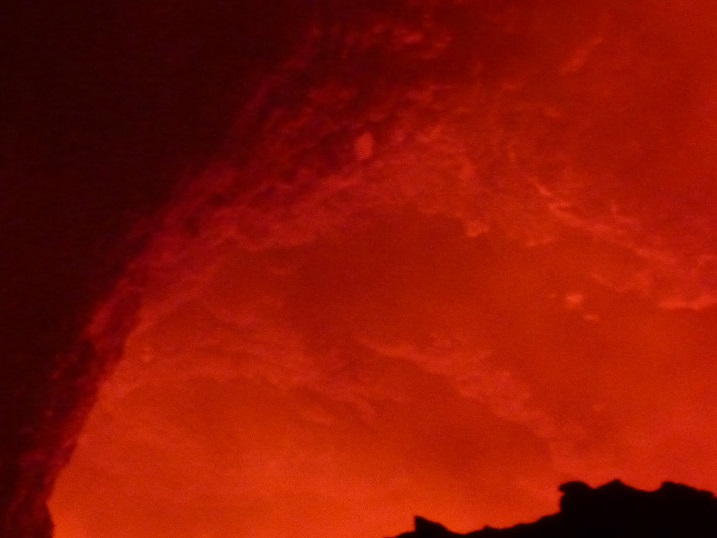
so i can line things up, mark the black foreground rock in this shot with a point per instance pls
(613, 510)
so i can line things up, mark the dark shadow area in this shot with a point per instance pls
(613, 510)
(104, 110)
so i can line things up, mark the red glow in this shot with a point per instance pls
(401, 368)
(467, 314)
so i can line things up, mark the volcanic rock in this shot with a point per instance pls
(613, 510)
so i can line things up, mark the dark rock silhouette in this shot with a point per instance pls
(613, 510)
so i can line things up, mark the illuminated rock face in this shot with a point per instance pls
(610, 511)
(494, 217)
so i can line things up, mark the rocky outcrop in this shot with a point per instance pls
(613, 510)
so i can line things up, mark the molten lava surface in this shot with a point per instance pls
(458, 299)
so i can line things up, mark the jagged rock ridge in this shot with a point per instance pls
(613, 510)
